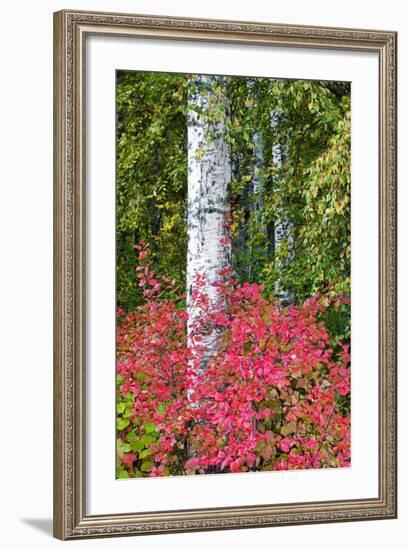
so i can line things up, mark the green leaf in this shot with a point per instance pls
(147, 440)
(147, 466)
(122, 423)
(149, 427)
(137, 446)
(145, 453)
(130, 436)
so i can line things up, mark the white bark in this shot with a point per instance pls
(258, 177)
(283, 229)
(209, 175)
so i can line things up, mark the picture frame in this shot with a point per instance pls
(72, 30)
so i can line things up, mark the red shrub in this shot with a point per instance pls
(267, 399)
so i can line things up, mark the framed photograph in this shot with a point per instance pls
(225, 274)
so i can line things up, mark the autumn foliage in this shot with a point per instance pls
(269, 397)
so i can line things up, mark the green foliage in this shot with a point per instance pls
(151, 176)
(308, 121)
(141, 438)
(313, 186)
(306, 125)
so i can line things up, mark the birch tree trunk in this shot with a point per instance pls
(257, 193)
(209, 175)
(283, 231)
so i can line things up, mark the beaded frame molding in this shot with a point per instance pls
(70, 31)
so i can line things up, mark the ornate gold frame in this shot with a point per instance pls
(70, 31)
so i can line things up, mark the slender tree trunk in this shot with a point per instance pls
(283, 232)
(209, 174)
(257, 195)
(239, 247)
